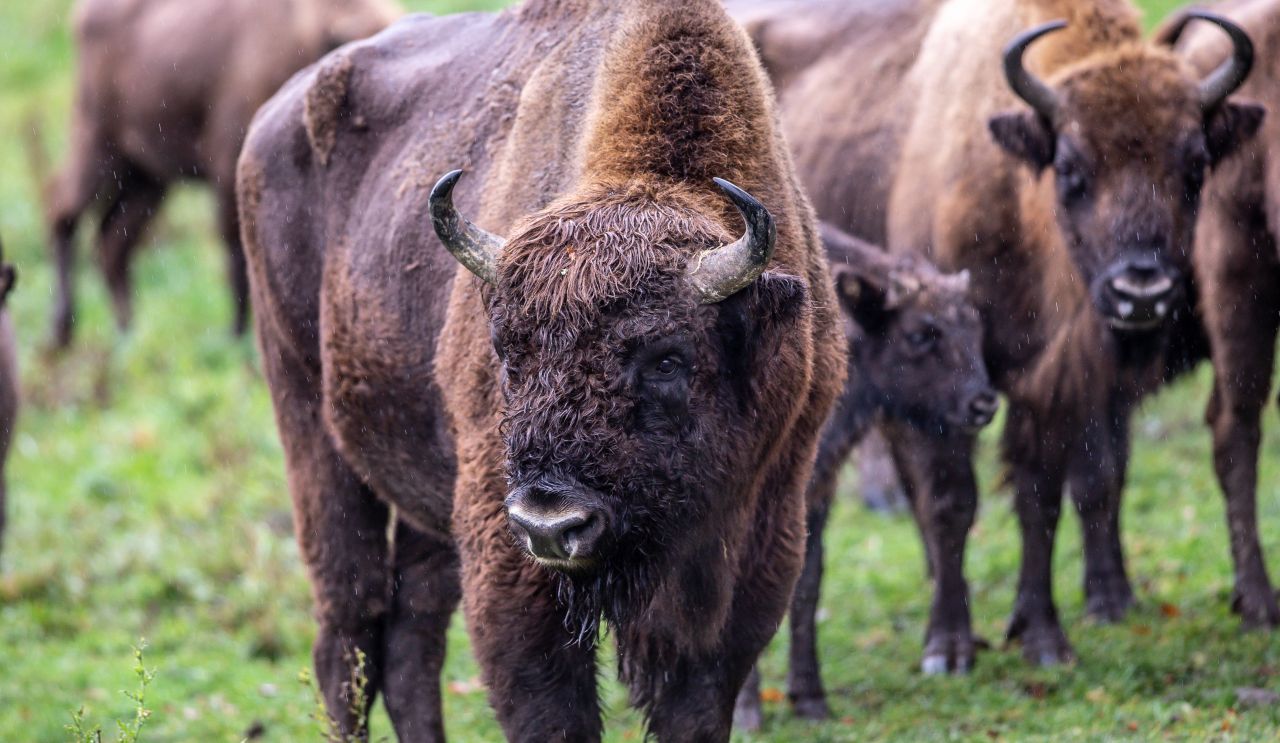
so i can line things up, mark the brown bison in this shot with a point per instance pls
(164, 93)
(1237, 270)
(8, 380)
(914, 360)
(613, 408)
(1075, 216)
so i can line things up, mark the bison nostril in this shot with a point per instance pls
(983, 406)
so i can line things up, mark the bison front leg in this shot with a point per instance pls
(540, 676)
(1095, 476)
(425, 592)
(121, 231)
(938, 476)
(1036, 472)
(341, 529)
(237, 271)
(1243, 291)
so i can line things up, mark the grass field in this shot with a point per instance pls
(147, 499)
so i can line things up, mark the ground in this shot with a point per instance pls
(147, 499)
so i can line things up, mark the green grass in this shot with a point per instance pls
(147, 499)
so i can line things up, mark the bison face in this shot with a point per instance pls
(1127, 139)
(637, 362)
(916, 346)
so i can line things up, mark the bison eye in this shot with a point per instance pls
(1073, 184)
(924, 339)
(668, 366)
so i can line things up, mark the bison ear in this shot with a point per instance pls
(1230, 126)
(1025, 135)
(752, 323)
(864, 299)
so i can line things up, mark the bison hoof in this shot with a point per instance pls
(1257, 609)
(1108, 601)
(811, 708)
(949, 653)
(1047, 646)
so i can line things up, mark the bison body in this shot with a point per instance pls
(165, 90)
(1237, 271)
(611, 411)
(1075, 219)
(9, 395)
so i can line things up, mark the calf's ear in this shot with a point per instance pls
(1230, 127)
(1025, 135)
(8, 277)
(864, 299)
(752, 324)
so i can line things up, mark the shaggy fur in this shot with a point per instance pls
(591, 132)
(1237, 269)
(989, 186)
(914, 361)
(165, 90)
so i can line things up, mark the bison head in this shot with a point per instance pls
(639, 345)
(915, 343)
(1129, 136)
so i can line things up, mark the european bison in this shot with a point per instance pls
(8, 381)
(164, 93)
(1075, 218)
(1237, 269)
(915, 361)
(614, 409)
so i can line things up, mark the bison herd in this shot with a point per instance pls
(574, 312)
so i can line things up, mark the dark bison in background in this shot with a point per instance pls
(8, 381)
(1067, 182)
(914, 360)
(164, 92)
(613, 405)
(1237, 269)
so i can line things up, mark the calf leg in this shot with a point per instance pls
(341, 529)
(1096, 474)
(1241, 320)
(938, 476)
(1037, 477)
(121, 231)
(804, 680)
(71, 193)
(425, 593)
(237, 271)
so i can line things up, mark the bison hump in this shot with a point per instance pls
(326, 103)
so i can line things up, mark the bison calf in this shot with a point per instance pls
(164, 93)
(914, 360)
(610, 409)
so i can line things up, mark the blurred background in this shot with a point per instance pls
(147, 500)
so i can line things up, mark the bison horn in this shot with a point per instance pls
(473, 247)
(1225, 80)
(720, 273)
(1029, 88)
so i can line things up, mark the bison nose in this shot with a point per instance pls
(982, 408)
(566, 534)
(1141, 294)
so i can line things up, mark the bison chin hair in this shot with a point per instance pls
(613, 595)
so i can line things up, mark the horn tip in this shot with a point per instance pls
(445, 185)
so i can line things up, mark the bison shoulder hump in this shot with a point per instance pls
(326, 103)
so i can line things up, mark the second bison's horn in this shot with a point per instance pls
(1225, 80)
(720, 273)
(473, 247)
(1029, 88)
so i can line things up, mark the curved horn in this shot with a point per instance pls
(1029, 88)
(473, 247)
(1232, 73)
(720, 273)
